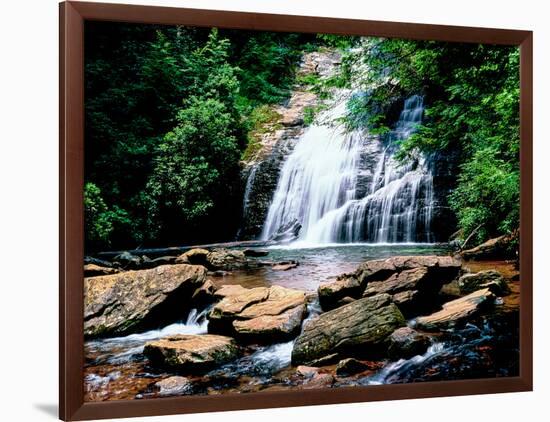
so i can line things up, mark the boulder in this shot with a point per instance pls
(265, 328)
(121, 303)
(174, 386)
(491, 279)
(227, 259)
(196, 256)
(360, 328)
(93, 270)
(457, 310)
(307, 371)
(420, 276)
(350, 366)
(229, 290)
(406, 342)
(259, 314)
(191, 353)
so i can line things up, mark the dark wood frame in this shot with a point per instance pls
(71, 245)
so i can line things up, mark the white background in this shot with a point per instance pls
(29, 212)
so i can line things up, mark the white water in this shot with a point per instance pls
(132, 345)
(319, 182)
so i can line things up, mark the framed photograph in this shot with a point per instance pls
(266, 210)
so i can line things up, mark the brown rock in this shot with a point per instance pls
(193, 353)
(307, 371)
(258, 314)
(121, 303)
(319, 381)
(284, 267)
(497, 248)
(227, 259)
(457, 310)
(195, 256)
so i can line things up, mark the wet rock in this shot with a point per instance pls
(193, 353)
(457, 310)
(330, 293)
(121, 303)
(255, 253)
(97, 261)
(287, 232)
(259, 314)
(406, 342)
(174, 386)
(229, 290)
(92, 270)
(491, 279)
(128, 261)
(350, 366)
(360, 328)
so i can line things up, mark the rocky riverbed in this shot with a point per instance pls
(215, 321)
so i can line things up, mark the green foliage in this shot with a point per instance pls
(193, 165)
(169, 112)
(472, 96)
(261, 120)
(100, 220)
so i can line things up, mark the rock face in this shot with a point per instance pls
(121, 303)
(258, 315)
(491, 279)
(360, 328)
(456, 311)
(411, 281)
(261, 173)
(406, 343)
(192, 353)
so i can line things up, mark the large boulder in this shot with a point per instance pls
(121, 303)
(501, 247)
(191, 353)
(412, 280)
(258, 315)
(93, 270)
(196, 256)
(456, 311)
(360, 328)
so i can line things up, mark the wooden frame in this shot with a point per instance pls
(71, 348)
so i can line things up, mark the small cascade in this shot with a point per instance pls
(319, 185)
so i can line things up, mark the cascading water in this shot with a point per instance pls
(319, 185)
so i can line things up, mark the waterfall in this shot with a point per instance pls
(319, 184)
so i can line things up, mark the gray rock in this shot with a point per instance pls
(406, 342)
(359, 328)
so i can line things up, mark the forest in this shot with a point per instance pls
(171, 113)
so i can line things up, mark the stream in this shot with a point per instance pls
(486, 347)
